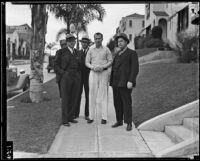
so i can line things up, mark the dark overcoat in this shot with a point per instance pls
(62, 60)
(126, 69)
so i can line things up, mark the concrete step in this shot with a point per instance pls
(192, 123)
(157, 141)
(179, 133)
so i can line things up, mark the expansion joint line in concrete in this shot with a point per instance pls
(97, 130)
(146, 143)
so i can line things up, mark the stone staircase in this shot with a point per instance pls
(175, 133)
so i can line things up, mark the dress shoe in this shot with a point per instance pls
(117, 124)
(73, 121)
(86, 118)
(89, 121)
(75, 117)
(103, 121)
(66, 124)
(129, 127)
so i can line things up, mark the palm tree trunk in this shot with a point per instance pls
(68, 26)
(77, 45)
(39, 22)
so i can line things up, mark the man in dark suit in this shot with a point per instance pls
(85, 71)
(63, 44)
(125, 69)
(68, 66)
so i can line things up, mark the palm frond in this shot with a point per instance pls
(76, 14)
(60, 32)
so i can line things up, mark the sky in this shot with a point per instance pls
(21, 14)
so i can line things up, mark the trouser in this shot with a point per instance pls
(98, 92)
(69, 85)
(123, 104)
(59, 88)
(84, 82)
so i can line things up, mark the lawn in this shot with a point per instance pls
(32, 127)
(145, 51)
(163, 87)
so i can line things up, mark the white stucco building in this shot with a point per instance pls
(131, 25)
(18, 40)
(173, 18)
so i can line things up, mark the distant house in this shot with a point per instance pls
(173, 18)
(18, 41)
(131, 25)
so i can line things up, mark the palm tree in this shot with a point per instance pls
(39, 22)
(78, 14)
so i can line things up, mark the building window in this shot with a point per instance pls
(148, 10)
(183, 17)
(130, 23)
(143, 23)
(130, 37)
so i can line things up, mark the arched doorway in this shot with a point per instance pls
(163, 24)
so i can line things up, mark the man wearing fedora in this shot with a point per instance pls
(85, 71)
(63, 44)
(68, 65)
(125, 69)
(98, 59)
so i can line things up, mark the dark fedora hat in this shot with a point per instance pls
(70, 37)
(85, 39)
(122, 35)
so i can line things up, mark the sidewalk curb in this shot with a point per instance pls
(10, 99)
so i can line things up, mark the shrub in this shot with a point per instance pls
(157, 32)
(188, 49)
(153, 43)
(139, 42)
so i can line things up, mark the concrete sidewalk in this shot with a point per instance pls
(83, 140)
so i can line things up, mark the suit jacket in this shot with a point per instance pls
(62, 60)
(126, 69)
(84, 69)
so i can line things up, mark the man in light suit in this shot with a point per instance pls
(125, 69)
(98, 59)
(68, 67)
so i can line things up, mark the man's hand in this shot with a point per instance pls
(97, 69)
(129, 85)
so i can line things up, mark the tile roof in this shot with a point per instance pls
(136, 15)
(11, 29)
(160, 13)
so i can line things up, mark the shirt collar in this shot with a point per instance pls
(122, 51)
(99, 47)
(71, 49)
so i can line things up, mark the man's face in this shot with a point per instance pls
(84, 44)
(121, 43)
(63, 45)
(71, 43)
(98, 39)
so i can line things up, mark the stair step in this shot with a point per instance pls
(179, 133)
(192, 123)
(157, 141)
